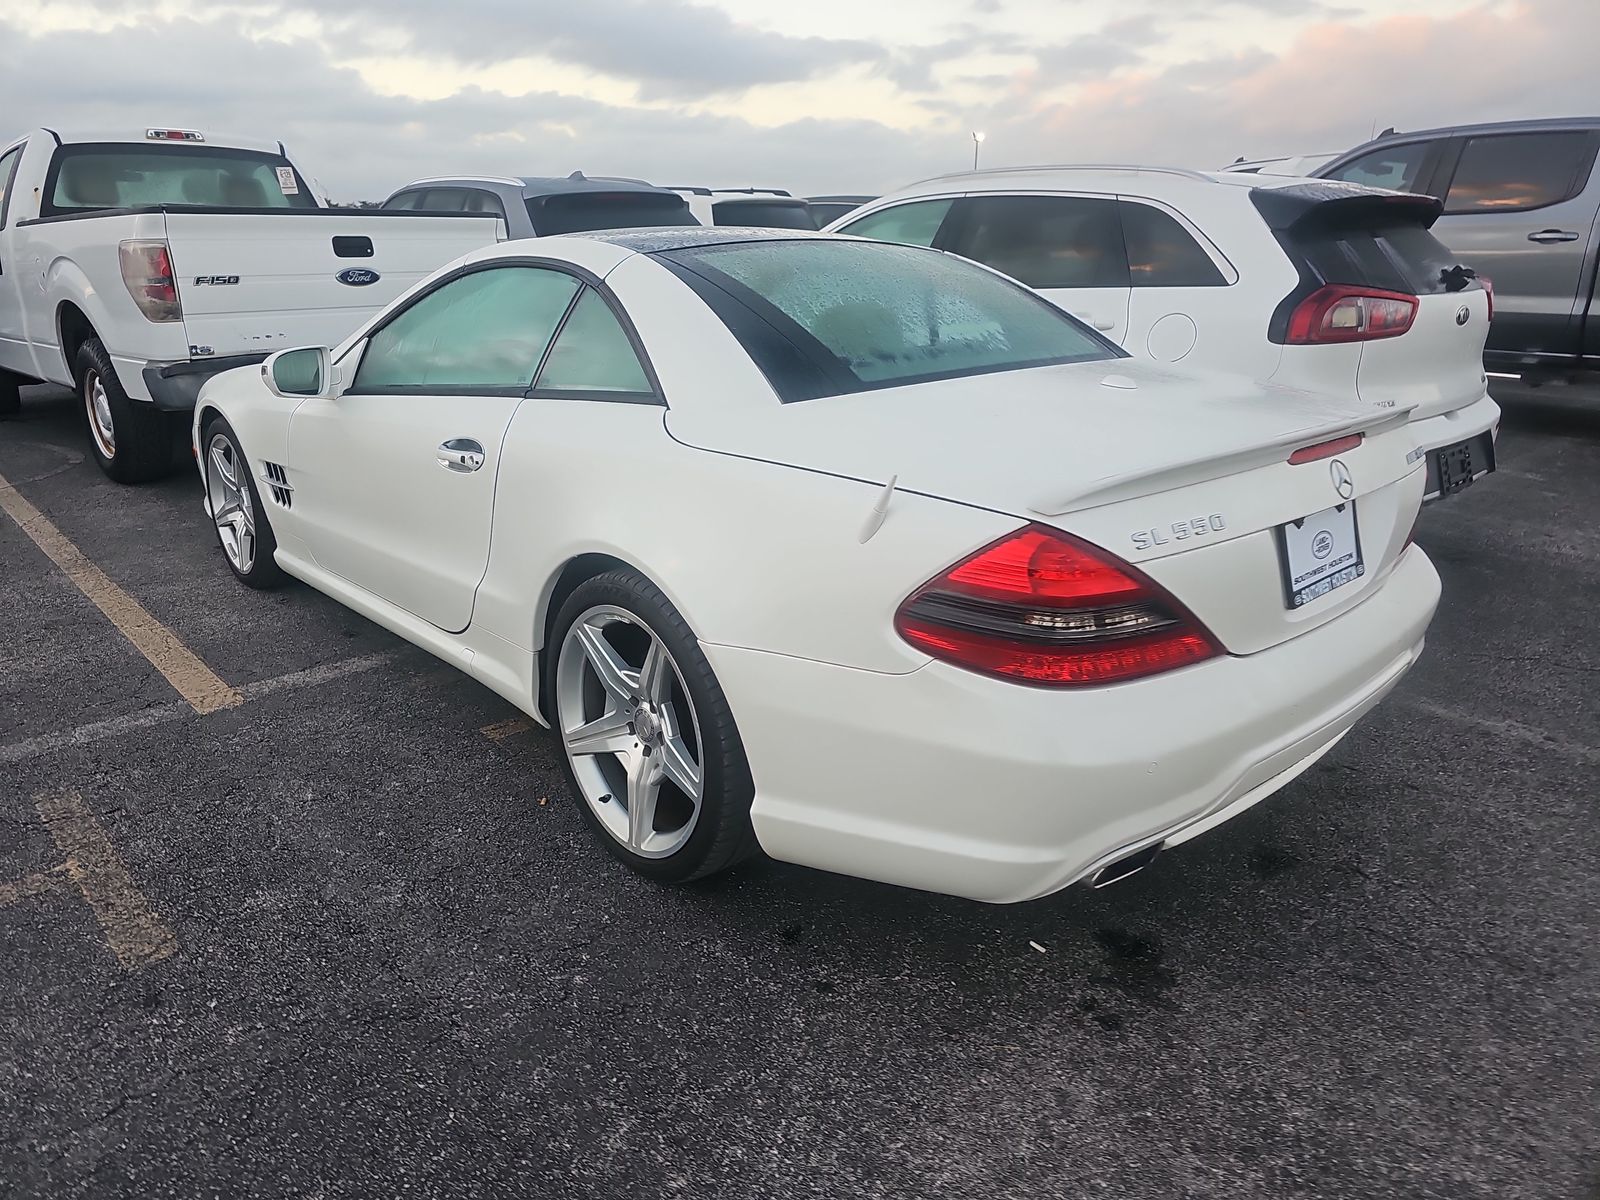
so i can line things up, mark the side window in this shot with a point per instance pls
(1395, 167)
(409, 201)
(1513, 172)
(483, 331)
(476, 201)
(8, 168)
(1162, 253)
(593, 354)
(443, 200)
(1046, 241)
(914, 224)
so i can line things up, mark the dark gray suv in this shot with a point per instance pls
(1521, 200)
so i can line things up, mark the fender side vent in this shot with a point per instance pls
(277, 481)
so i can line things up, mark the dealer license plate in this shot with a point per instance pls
(1320, 552)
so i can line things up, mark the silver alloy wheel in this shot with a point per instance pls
(630, 731)
(229, 492)
(98, 405)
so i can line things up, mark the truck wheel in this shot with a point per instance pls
(10, 397)
(131, 439)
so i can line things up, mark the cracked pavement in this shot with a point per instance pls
(397, 973)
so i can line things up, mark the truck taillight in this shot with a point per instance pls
(147, 274)
(1338, 312)
(1043, 607)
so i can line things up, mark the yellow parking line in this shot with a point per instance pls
(501, 730)
(137, 936)
(36, 884)
(195, 681)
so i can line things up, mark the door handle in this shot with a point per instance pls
(461, 454)
(1553, 235)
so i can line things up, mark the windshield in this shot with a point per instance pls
(120, 175)
(580, 212)
(824, 317)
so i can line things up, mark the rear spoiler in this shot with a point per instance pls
(1330, 204)
(1181, 472)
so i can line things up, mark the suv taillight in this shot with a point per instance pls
(147, 274)
(1041, 606)
(1488, 288)
(1338, 312)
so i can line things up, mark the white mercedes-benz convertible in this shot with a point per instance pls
(854, 552)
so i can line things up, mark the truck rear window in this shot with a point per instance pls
(581, 212)
(1397, 258)
(764, 214)
(88, 177)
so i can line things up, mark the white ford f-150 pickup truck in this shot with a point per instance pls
(135, 266)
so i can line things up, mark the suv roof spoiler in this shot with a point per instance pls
(1330, 204)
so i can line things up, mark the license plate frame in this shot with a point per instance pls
(1307, 575)
(1454, 467)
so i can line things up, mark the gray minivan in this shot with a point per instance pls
(1522, 208)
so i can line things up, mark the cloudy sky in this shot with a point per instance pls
(813, 95)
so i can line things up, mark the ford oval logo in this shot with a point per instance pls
(357, 276)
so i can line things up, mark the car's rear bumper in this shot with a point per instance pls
(1477, 423)
(176, 386)
(952, 782)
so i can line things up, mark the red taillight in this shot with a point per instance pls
(1488, 289)
(1340, 313)
(1040, 606)
(147, 274)
(1325, 449)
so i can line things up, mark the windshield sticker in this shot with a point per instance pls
(287, 183)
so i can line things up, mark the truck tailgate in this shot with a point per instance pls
(255, 281)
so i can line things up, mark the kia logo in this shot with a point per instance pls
(1463, 315)
(1342, 482)
(357, 276)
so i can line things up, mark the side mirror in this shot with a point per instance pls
(307, 371)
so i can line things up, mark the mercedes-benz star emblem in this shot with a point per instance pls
(1342, 482)
(1463, 315)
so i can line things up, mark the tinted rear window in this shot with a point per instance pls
(580, 212)
(763, 214)
(830, 317)
(1397, 258)
(87, 177)
(1513, 172)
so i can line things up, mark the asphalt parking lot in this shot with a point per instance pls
(345, 935)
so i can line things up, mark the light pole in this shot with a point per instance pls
(977, 140)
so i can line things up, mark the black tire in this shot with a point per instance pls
(723, 834)
(263, 571)
(139, 448)
(10, 395)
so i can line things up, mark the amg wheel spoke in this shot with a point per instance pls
(680, 768)
(607, 734)
(655, 677)
(224, 468)
(616, 676)
(644, 789)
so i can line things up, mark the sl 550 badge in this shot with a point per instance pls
(1178, 531)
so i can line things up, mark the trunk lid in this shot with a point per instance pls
(256, 281)
(1184, 474)
(1436, 366)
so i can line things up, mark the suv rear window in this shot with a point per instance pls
(1397, 258)
(580, 212)
(766, 214)
(830, 317)
(84, 178)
